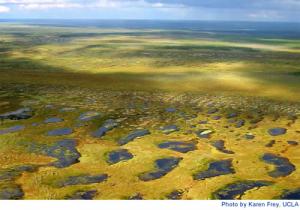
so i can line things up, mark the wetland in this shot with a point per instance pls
(144, 112)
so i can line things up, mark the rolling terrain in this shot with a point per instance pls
(143, 111)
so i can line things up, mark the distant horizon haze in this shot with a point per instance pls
(229, 10)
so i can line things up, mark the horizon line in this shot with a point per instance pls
(128, 19)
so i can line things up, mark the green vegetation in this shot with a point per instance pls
(232, 84)
(164, 60)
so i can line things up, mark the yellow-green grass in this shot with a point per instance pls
(67, 66)
(150, 60)
(123, 179)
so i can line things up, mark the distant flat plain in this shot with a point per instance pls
(196, 56)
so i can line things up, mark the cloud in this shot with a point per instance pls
(234, 4)
(38, 4)
(165, 9)
(264, 14)
(48, 4)
(128, 4)
(4, 9)
(212, 4)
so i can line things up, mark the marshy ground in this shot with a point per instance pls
(148, 114)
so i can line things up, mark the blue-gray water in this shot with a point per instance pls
(268, 29)
(165, 24)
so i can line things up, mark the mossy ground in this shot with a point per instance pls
(132, 76)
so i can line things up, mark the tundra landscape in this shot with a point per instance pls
(141, 110)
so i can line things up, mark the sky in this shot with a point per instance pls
(237, 10)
